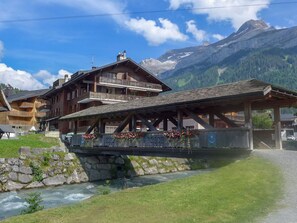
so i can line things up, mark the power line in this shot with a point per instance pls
(140, 12)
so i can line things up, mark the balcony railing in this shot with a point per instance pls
(20, 114)
(105, 97)
(40, 114)
(214, 138)
(132, 84)
(27, 105)
(19, 122)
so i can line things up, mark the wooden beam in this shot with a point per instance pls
(277, 129)
(147, 123)
(180, 120)
(123, 124)
(101, 126)
(165, 124)
(75, 127)
(158, 121)
(174, 122)
(226, 119)
(133, 123)
(211, 119)
(249, 122)
(89, 130)
(197, 119)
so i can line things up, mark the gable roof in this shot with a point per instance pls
(237, 90)
(26, 94)
(128, 62)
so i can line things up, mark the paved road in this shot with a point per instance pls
(287, 161)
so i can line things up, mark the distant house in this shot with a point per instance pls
(120, 81)
(23, 111)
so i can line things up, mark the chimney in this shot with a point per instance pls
(66, 78)
(93, 68)
(122, 56)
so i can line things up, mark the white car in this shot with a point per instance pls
(289, 138)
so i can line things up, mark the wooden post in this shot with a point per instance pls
(101, 125)
(211, 119)
(133, 123)
(95, 84)
(248, 122)
(75, 127)
(179, 120)
(165, 124)
(277, 129)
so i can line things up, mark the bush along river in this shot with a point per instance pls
(12, 203)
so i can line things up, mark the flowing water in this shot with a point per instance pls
(12, 203)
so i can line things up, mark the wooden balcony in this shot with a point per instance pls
(40, 114)
(134, 85)
(27, 105)
(19, 122)
(105, 98)
(20, 114)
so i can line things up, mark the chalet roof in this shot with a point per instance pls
(129, 62)
(26, 94)
(4, 105)
(237, 90)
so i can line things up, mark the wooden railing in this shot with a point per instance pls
(19, 122)
(20, 114)
(107, 97)
(27, 105)
(215, 138)
(40, 114)
(136, 84)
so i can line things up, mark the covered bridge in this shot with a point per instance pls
(242, 96)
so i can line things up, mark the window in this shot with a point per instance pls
(68, 96)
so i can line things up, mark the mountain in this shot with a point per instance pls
(8, 89)
(256, 50)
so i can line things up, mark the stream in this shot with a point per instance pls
(12, 203)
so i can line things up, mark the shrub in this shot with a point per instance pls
(34, 200)
(37, 172)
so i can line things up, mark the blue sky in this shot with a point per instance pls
(35, 53)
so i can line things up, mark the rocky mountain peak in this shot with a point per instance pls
(253, 25)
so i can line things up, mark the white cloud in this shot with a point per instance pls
(1, 49)
(199, 35)
(218, 36)
(227, 10)
(156, 34)
(18, 78)
(47, 78)
(27, 81)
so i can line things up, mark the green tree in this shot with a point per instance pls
(262, 121)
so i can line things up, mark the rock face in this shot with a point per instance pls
(32, 170)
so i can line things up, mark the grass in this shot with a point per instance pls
(9, 147)
(240, 192)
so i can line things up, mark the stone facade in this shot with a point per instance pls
(55, 166)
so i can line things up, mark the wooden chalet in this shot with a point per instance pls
(214, 101)
(121, 81)
(23, 110)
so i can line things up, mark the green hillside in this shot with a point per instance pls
(277, 66)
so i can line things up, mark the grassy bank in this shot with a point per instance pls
(10, 147)
(239, 192)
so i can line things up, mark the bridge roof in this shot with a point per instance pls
(233, 93)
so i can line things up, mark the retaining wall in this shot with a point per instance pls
(55, 166)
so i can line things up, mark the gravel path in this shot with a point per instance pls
(287, 161)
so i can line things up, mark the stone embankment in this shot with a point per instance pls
(55, 166)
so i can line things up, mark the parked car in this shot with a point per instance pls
(291, 137)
